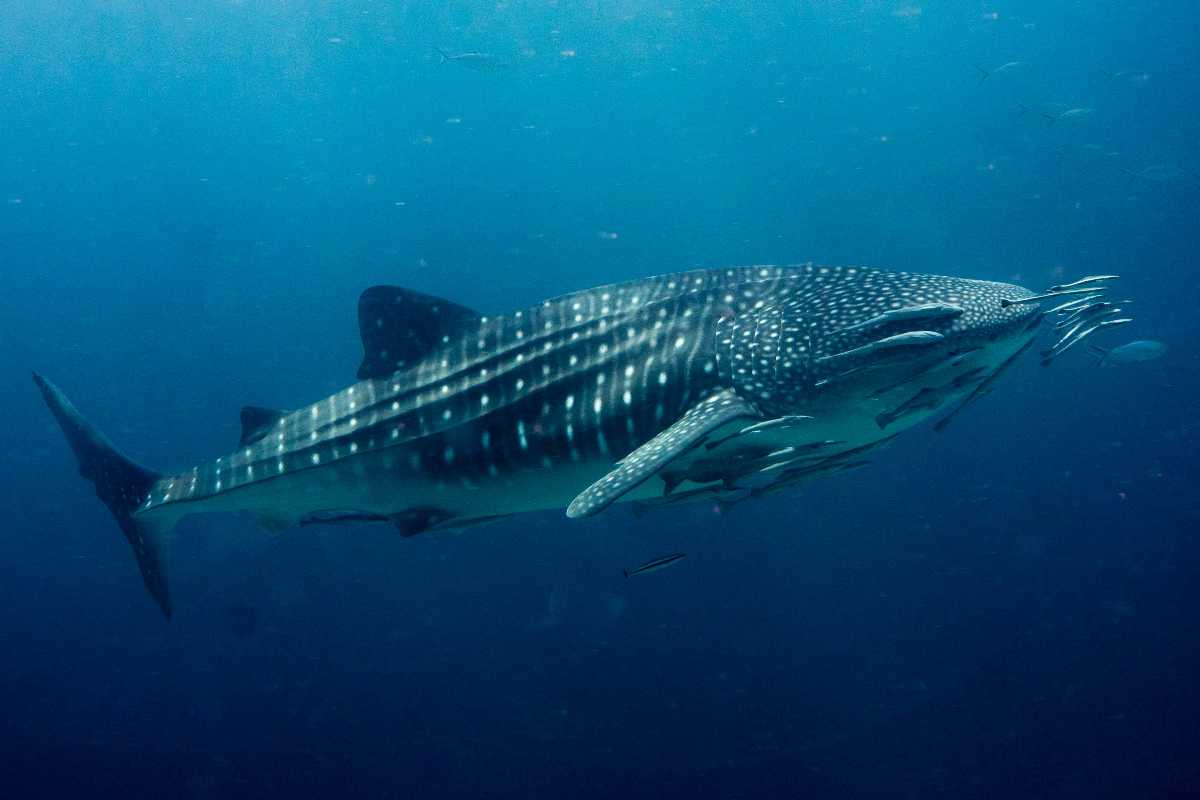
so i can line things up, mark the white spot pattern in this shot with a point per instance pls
(772, 333)
(659, 451)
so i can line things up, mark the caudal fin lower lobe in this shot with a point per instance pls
(120, 483)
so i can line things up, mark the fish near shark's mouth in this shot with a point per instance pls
(1088, 310)
(1085, 312)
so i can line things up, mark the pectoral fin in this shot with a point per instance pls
(701, 420)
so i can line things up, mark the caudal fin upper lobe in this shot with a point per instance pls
(121, 484)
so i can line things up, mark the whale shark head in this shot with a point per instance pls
(863, 332)
(827, 363)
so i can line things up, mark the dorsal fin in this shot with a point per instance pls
(400, 326)
(257, 422)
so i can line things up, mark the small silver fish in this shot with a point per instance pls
(473, 59)
(655, 564)
(1068, 115)
(985, 73)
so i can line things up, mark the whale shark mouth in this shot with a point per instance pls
(1088, 311)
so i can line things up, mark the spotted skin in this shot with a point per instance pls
(595, 373)
(501, 414)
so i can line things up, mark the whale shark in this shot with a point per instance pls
(717, 385)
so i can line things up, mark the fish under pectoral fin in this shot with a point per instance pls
(930, 398)
(342, 517)
(702, 419)
(909, 406)
(787, 421)
(671, 481)
(717, 493)
(409, 522)
(420, 519)
(983, 387)
(276, 523)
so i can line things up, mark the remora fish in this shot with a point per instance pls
(603, 395)
(654, 564)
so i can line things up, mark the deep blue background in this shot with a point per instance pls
(193, 193)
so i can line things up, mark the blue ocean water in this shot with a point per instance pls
(192, 195)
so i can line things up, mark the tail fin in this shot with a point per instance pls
(983, 73)
(1100, 353)
(442, 54)
(121, 484)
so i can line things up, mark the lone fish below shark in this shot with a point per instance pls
(722, 384)
(655, 564)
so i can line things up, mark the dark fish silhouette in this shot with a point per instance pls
(655, 564)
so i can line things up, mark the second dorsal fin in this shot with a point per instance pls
(257, 422)
(400, 326)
